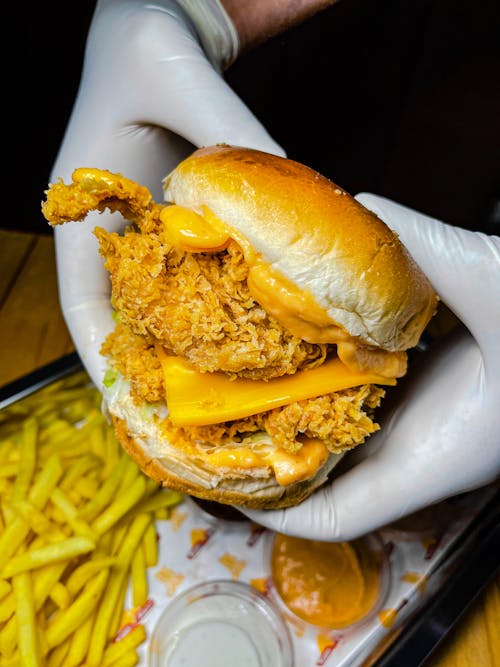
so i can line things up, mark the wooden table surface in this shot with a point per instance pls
(33, 333)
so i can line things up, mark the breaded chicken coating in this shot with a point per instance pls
(198, 306)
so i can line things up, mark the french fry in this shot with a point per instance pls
(121, 648)
(13, 661)
(76, 532)
(46, 481)
(112, 453)
(52, 553)
(16, 532)
(6, 447)
(5, 588)
(67, 621)
(37, 521)
(128, 476)
(77, 469)
(58, 443)
(119, 506)
(9, 637)
(96, 440)
(29, 649)
(150, 545)
(45, 578)
(139, 579)
(41, 620)
(117, 615)
(57, 657)
(9, 469)
(119, 533)
(8, 607)
(80, 641)
(118, 576)
(52, 429)
(161, 498)
(128, 660)
(86, 571)
(11, 538)
(27, 454)
(60, 595)
(105, 493)
(70, 512)
(86, 487)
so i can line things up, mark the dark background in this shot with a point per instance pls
(397, 98)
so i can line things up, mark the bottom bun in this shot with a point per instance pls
(251, 492)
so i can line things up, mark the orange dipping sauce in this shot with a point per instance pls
(328, 584)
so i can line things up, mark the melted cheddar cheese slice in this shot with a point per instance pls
(199, 399)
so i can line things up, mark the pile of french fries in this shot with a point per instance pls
(77, 532)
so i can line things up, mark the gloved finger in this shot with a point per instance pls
(145, 155)
(463, 266)
(84, 291)
(441, 440)
(191, 98)
(226, 119)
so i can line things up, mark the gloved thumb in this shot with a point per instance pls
(463, 266)
(191, 98)
(441, 439)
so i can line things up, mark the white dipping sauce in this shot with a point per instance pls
(220, 624)
(213, 644)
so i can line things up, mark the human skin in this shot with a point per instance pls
(259, 20)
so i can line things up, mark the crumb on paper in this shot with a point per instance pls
(171, 579)
(233, 564)
(416, 578)
(387, 617)
(261, 584)
(177, 518)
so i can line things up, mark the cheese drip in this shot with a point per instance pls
(288, 468)
(296, 310)
(187, 230)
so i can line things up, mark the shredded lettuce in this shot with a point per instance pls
(259, 438)
(110, 377)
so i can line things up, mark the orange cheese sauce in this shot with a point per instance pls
(189, 231)
(327, 584)
(293, 308)
(288, 468)
(296, 309)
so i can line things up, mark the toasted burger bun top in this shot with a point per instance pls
(326, 267)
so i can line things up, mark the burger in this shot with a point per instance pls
(260, 312)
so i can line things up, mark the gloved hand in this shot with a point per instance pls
(151, 91)
(443, 435)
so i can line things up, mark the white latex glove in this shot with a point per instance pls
(149, 94)
(443, 436)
